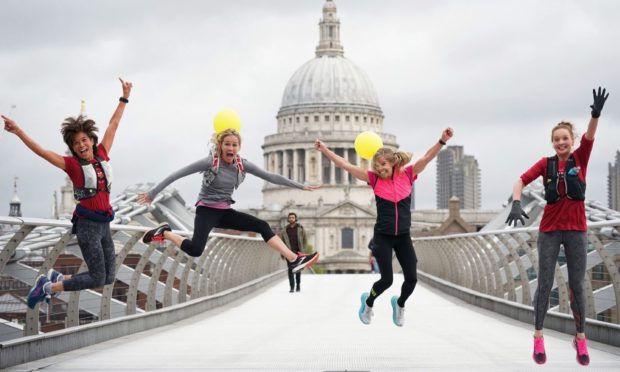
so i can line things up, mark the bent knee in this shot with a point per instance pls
(109, 280)
(98, 282)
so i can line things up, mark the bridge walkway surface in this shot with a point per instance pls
(318, 329)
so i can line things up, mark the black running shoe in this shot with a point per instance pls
(156, 234)
(303, 261)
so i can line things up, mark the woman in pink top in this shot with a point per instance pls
(391, 180)
(563, 224)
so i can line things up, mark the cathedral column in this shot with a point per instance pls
(295, 166)
(284, 164)
(332, 173)
(319, 167)
(307, 165)
(358, 158)
(345, 175)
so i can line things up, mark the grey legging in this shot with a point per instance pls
(575, 245)
(97, 248)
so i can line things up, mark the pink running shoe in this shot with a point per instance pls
(539, 355)
(580, 346)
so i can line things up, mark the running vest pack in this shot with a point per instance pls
(575, 188)
(90, 178)
(211, 173)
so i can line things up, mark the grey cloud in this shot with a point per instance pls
(500, 73)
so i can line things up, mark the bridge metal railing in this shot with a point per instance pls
(504, 264)
(148, 277)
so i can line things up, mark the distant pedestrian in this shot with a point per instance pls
(294, 236)
(372, 261)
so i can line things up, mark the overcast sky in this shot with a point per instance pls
(501, 73)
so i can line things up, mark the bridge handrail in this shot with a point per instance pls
(604, 332)
(148, 277)
(504, 264)
(595, 224)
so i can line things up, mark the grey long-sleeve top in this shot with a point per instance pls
(222, 187)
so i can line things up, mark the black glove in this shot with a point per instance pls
(516, 214)
(599, 102)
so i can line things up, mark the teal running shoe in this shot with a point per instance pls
(398, 313)
(365, 313)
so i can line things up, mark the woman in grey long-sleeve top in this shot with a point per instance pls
(223, 173)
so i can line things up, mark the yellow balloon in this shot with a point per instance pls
(367, 143)
(226, 119)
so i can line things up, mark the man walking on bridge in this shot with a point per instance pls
(294, 236)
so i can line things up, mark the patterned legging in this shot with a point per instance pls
(575, 244)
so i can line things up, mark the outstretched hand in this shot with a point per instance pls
(447, 134)
(127, 86)
(143, 198)
(312, 187)
(10, 125)
(319, 145)
(516, 214)
(599, 101)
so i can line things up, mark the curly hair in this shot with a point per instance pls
(398, 158)
(74, 125)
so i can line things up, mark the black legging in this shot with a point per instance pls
(208, 218)
(402, 246)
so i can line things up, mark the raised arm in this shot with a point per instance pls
(421, 163)
(198, 166)
(110, 132)
(340, 162)
(597, 106)
(274, 178)
(52, 157)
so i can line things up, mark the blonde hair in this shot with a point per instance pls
(398, 158)
(564, 125)
(219, 139)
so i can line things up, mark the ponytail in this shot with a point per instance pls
(398, 158)
(401, 158)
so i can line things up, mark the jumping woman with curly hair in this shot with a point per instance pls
(91, 175)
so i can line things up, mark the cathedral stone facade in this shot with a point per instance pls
(331, 98)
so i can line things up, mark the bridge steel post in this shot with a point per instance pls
(612, 271)
(32, 315)
(230, 268)
(106, 298)
(525, 282)
(487, 262)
